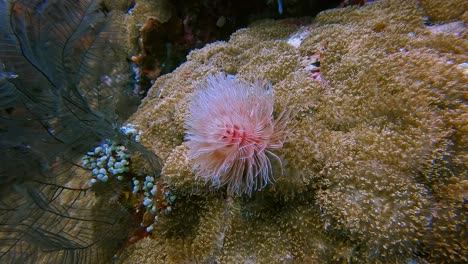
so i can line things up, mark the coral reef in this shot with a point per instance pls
(63, 91)
(443, 11)
(375, 170)
(162, 32)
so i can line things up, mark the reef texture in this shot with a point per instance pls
(375, 169)
(162, 32)
(439, 11)
(63, 91)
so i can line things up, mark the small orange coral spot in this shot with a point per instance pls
(136, 59)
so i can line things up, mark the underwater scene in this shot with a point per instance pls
(210, 131)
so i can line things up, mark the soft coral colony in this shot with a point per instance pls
(374, 170)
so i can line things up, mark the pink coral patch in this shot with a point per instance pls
(231, 133)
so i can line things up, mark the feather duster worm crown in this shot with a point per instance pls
(232, 131)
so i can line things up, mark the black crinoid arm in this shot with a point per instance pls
(57, 101)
